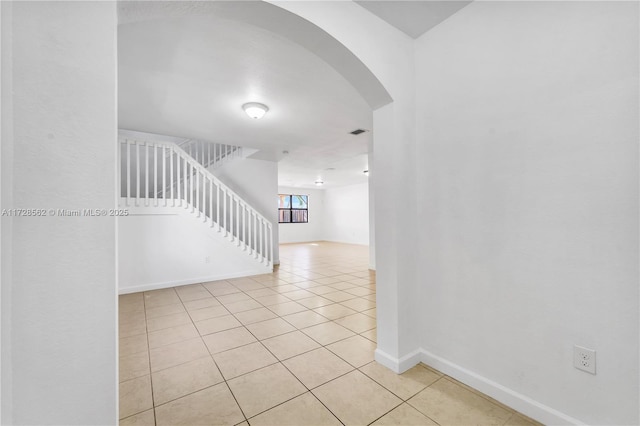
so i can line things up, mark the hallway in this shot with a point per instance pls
(290, 348)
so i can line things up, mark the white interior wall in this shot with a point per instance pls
(170, 246)
(388, 53)
(303, 232)
(63, 144)
(528, 194)
(257, 182)
(6, 201)
(444, 176)
(336, 214)
(346, 214)
(372, 212)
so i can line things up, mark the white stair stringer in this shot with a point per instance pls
(161, 175)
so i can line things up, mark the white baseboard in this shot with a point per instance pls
(398, 365)
(509, 397)
(168, 284)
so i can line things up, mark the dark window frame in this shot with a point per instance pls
(284, 213)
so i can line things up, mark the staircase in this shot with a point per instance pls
(210, 154)
(164, 174)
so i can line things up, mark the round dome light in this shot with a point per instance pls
(255, 110)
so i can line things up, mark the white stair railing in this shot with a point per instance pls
(210, 154)
(161, 174)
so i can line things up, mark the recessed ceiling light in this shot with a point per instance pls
(319, 183)
(255, 110)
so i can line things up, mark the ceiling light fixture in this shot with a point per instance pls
(319, 183)
(255, 110)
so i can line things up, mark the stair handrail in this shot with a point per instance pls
(211, 176)
(259, 247)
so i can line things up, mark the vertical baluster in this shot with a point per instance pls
(208, 154)
(260, 251)
(185, 183)
(120, 179)
(231, 217)
(244, 227)
(178, 176)
(191, 200)
(218, 205)
(240, 213)
(155, 173)
(171, 180)
(224, 213)
(187, 179)
(185, 169)
(258, 230)
(201, 192)
(255, 235)
(128, 171)
(197, 193)
(146, 174)
(203, 199)
(137, 171)
(211, 201)
(164, 174)
(250, 229)
(264, 241)
(238, 222)
(271, 246)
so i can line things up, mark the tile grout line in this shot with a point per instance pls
(277, 316)
(209, 355)
(146, 327)
(278, 361)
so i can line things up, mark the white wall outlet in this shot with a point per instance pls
(207, 259)
(584, 359)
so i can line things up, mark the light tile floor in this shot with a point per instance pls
(290, 348)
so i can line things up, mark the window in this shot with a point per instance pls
(293, 208)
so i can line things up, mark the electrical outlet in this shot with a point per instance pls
(584, 359)
(207, 259)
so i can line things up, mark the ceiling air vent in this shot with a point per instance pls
(358, 131)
